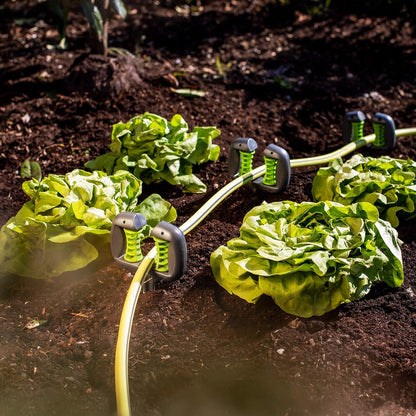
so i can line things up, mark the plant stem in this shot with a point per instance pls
(100, 40)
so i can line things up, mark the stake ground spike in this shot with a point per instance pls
(126, 237)
(277, 176)
(352, 129)
(240, 156)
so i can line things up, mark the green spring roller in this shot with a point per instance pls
(162, 262)
(379, 132)
(270, 175)
(246, 162)
(133, 246)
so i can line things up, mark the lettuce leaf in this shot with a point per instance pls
(389, 184)
(156, 150)
(66, 223)
(309, 257)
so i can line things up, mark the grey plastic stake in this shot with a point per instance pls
(277, 179)
(172, 264)
(352, 129)
(240, 156)
(385, 131)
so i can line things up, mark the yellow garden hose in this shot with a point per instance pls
(126, 320)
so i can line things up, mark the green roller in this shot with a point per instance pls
(162, 261)
(270, 175)
(246, 162)
(133, 246)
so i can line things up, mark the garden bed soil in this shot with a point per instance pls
(195, 349)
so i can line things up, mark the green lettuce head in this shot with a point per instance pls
(66, 224)
(309, 257)
(157, 150)
(389, 184)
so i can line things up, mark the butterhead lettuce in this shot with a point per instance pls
(155, 150)
(309, 257)
(67, 221)
(389, 184)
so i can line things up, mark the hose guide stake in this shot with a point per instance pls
(240, 156)
(171, 249)
(126, 238)
(385, 131)
(277, 176)
(353, 127)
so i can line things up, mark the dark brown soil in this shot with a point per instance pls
(194, 348)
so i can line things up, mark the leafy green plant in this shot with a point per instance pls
(97, 13)
(30, 169)
(67, 222)
(309, 257)
(283, 82)
(189, 92)
(311, 7)
(222, 67)
(389, 184)
(156, 150)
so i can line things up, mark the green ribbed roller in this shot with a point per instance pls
(270, 174)
(162, 247)
(133, 246)
(379, 132)
(357, 130)
(246, 162)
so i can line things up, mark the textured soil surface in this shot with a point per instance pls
(194, 348)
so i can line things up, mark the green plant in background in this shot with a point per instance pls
(222, 67)
(189, 92)
(280, 78)
(389, 184)
(188, 7)
(66, 223)
(155, 149)
(97, 13)
(309, 257)
(283, 82)
(318, 6)
(311, 7)
(30, 169)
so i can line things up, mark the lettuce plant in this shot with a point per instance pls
(156, 150)
(309, 257)
(389, 184)
(66, 223)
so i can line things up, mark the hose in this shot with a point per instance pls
(126, 320)
(123, 340)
